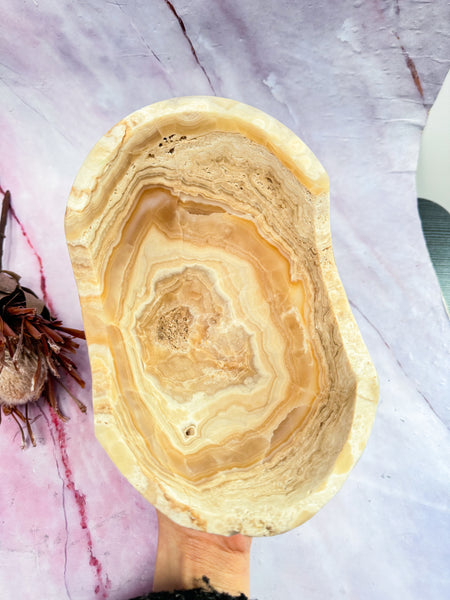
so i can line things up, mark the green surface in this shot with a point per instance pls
(436, 229)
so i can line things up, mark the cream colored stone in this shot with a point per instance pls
(231, 384)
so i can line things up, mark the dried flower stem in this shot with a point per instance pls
(34, 348)
(5, 209)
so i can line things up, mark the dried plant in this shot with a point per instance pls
(35, 348)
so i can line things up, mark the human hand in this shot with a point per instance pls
(185, 556)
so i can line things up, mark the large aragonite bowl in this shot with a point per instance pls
(231, 385)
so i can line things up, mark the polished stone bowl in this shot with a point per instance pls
(231, 385)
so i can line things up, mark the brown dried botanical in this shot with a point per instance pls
(35, 348)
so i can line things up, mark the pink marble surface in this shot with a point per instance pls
(354, 80)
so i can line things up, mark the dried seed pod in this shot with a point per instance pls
(35, 348)
(23, 379)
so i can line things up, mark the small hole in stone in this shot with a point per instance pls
(189, 431)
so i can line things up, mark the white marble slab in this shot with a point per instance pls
(354, 80)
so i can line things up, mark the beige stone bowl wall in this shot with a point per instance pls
(231, 385)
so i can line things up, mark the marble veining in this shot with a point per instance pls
(354, 80)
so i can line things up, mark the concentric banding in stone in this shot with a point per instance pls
(231, 385)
